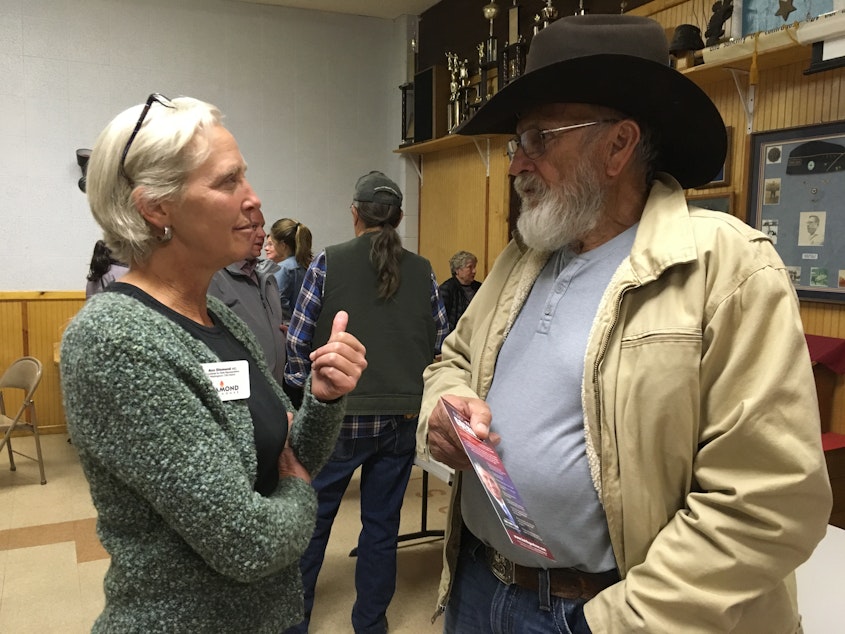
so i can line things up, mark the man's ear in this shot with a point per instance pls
(622, 146)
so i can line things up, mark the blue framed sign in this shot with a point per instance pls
(796, 195)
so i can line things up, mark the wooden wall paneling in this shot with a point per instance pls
(812, 110)
(11, 332)
(498, 234)
(30, 323)
(47, 321)
(799, 101)
(453, 204)
(12, 345)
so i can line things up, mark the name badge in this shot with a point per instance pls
(229, 378)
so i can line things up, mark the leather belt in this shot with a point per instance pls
(567, 583)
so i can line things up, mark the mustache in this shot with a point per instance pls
(526, 182)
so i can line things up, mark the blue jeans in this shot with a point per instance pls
(481, 604)
(385, 462)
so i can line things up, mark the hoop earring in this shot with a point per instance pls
(168, 235)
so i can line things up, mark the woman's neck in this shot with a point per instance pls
(180, 290)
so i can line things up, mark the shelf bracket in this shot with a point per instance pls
(417, 168)
(484, 154)
(746, 98)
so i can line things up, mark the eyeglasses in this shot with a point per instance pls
(533, 141)
(153, 98)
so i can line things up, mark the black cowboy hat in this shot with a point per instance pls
(687, 37)
(622, 62)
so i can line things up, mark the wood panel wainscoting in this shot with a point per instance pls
(464, 199)
(31, 324)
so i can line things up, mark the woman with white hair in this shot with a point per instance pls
(200, 479)
(457, 292)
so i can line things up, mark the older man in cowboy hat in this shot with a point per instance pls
(671, 463)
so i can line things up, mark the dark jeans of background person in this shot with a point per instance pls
(385, 462)
(481, 604)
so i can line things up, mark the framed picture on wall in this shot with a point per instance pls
(723, 178)
(719, 202)
(796, 194)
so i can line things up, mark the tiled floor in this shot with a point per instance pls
(52, 565)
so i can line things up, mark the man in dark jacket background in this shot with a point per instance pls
(249, 288)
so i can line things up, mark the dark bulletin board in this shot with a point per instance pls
(797, 197)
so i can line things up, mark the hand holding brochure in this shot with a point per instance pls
(520, 528)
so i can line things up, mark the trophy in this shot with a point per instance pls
(463, 90)
(408, 88)
(454, 113)
(487, 56)
(513, 57)
(547, 15)
(481, 90)
(407, 112)
(491, 53)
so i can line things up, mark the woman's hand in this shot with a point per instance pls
(337, 366)
(289, 465)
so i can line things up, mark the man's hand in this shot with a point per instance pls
(337, 366)
(443, 441)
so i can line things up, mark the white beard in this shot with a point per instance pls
(552, 217)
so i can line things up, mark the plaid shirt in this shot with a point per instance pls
(301, 331)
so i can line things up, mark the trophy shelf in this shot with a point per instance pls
(445, 143)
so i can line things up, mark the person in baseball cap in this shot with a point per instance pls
(390, 295)
(668, 463)
(375, 187)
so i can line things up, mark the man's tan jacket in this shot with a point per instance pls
(700, 415)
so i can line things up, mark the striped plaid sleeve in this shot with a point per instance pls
(438, 311)
(303, 321)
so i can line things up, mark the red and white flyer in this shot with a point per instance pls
(520, 528)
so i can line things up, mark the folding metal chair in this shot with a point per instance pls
(23, 374)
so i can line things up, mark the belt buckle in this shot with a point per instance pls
(502, 567)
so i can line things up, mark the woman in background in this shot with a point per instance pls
(202, 484)
(457, 292)
(104, 269)
(289, 244)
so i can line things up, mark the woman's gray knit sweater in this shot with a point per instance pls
(171, 468)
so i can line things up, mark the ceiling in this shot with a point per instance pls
(388, 9)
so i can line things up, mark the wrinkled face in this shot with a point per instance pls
(466, 274)
(561, 191)
(213, 220)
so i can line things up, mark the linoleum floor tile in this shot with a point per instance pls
(92, 599)
(41, 590)
(66, 578)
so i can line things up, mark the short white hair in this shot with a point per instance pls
(172, 142)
